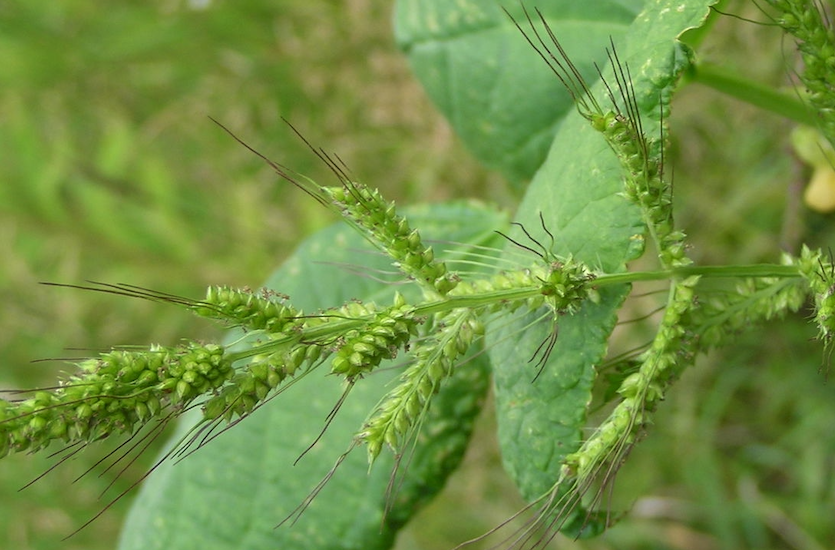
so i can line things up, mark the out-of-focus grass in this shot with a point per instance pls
(111, 171)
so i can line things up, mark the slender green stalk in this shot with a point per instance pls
(764, 97)
(523, 293)
(723, 271)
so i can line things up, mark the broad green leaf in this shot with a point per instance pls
(232, 493)
(577, 191)
(503, 102)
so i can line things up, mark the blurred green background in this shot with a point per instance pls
(111, 171)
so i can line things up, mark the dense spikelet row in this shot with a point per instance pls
(361, 350)
(253, 383)
(505, 280)
(265, 310)
(113, 394)
(640, 157)
(641, 162)
(722, 316)
(374, 216)
(401, 410)
(600, 456)
(366, 208)
(562, 285)
(672, 349)
(357, 335)
(804, 20)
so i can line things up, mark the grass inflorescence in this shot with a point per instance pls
(120, 391)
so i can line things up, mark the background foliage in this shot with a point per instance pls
(109, 170)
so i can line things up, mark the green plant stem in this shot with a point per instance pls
(720, 271)
(736, 271)
(341, 326)
(764, 97)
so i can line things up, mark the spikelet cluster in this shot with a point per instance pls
(672, 349)
(362, 349)
(640, 157)
(357, 335)
(113, 394)
(367, 209)
(642, 166)
(401, 410)
(253, 383)
(562, 285)
(376, 218)
(721, 316)
(804, 20)
(265, 310)
(689, 326)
